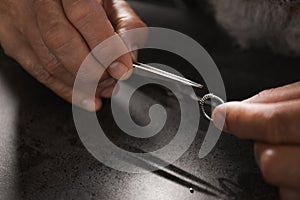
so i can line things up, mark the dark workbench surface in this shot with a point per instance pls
(42, 157)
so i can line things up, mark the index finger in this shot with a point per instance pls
(123, 18)
(90, 19)
(270, 123)
(284, 93)
(63, 40)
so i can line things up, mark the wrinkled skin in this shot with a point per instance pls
(272, 120)
(51, 38)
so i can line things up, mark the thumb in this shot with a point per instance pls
(272, 123)
(241, 119)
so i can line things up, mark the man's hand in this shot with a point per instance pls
(51, 38)
(272, 119)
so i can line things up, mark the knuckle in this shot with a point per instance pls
(100, 2)
(64, 92)
(42, 3)
(43, 77)
(274, 126)
(263, 96)
(52, 65)
(7, 51)
(58, 36)
(131, 22)
(140, 24)
(9, 8)
(267, 165)
(265, 93)
(38, 4)
(80, 12)
(86, 76)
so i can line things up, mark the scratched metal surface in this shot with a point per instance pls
(42, 157)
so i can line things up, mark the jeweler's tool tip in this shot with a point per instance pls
(166, 74)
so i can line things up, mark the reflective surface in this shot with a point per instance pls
(42, 157)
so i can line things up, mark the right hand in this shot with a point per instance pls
(51, 38)
(271, 119)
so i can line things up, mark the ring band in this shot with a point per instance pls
(206, 97)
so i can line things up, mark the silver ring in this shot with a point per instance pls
(206, 97)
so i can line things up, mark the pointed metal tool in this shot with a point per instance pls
(166, 74)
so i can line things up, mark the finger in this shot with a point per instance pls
(123, 18)
(27, 58)
(284, 93)
(89, 17)
(82, 100)
(103, 85)
(50, 62)
(289, 194)
(279, 164)
(109, 92)
(47, 59)
(271, 123)
(63, 40)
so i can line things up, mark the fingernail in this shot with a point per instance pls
(219, 119)
(134, 52)
(116, 90)
(107, 93)
(118, 70)
(89, 105)
(106, 83)
(134, 55)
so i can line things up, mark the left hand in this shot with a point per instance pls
(51, 39)
(272, 120)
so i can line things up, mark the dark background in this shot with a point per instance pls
(42, 157)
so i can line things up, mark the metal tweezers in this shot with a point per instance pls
(181, 80)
